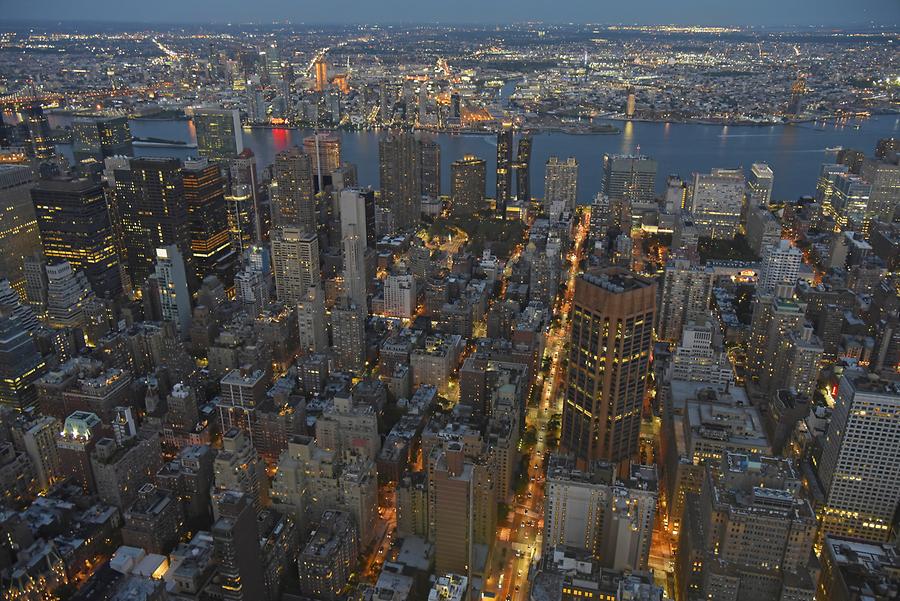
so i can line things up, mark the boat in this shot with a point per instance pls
(834, 149)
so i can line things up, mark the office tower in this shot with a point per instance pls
(244, 218)
(348, 333)
(593, 511)
(204, 192)
(400, 295)
(96, 138)
(504, 168)
(293, 191)
(324, 151)
(860, 465)
(560, 185)
(431, 167)
(400, 167)
(687, 287)
(825, 186)
(19, 235)
(748, 533)
(700, 356)
(21, 365)
(40, 141)
(218, 130)
(763, 229)
(174, 295)
(884, 196)
(311, 322)
(153, 521)
(152, 211)
(717, 201)
(629, 181)
(613, 321)
(759, 186)
(522, 168)
(780, 265)
(75, 226)
(121, 468)
(11, 304)
(238, 467)
(68, 293)
(463, 507)
(321, 68)
(295, 263)
(329, 557)
(75, 443)
(36, 437)
(850, 202)
(355, 228)
(236, 548)
(799, 358)
(35, 282)
(190, 477)
(775, 315)
(467, 184)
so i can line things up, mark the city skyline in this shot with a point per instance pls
(768, 13)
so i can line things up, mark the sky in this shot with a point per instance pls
(771, 13)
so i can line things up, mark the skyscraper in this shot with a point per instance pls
(612, 326)
(40, 141)
(348, 333)
(150, 204)
(401, 177)
(293, 191)
(717, 201)
(19, 237)
(560, 185)
(100, 137)
(324, 151)
(467, 185)
(504, 168)
(355, 228)
(884, 197)
(21, 365)
(236, 548)
(174, 295)
(295, 263)
(759, 186)
(825, 185)
(75, 226)
(204, 192)
(218, 131)
(850, 201)
(780, 265)
(311, 322)
(321, 67)
(860, 465)
(522, 168)
(431, 167)
(687, 287)
(630, 182)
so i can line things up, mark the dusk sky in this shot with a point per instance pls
(707, 12)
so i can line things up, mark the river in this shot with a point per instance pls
(794, 152)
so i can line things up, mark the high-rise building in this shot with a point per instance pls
(238, 467)
(400, 156)
(174, 295)
(204, 192)
(400, 295)
(357, 214)
(629, 181)
(21, 365)
(611, 340)
(854, 570)
(560, 185)
(329, 557)
(676, 195)
(311, 322)
(348, 332)
(153, 521)
(68, 294)
(780, 265)
(152, 212)
(522, 169)
(96, 138)
(594, 511)
(431, 167)
(324, 151)
(467, 183)
(825, 185)
(504, 168)
(19, 235)
(75, 226)
(293, 191)
(244, 218)
(236, 548)
(774, 316)
(321, 68)
(759, 186)
(295, 263)
(850, 202)
(687, 287)
(40, 140)
(884, 196)
(219, 135)
(717, 201)
(763, 229)
(860, 465)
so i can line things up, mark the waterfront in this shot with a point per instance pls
(793, 151)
